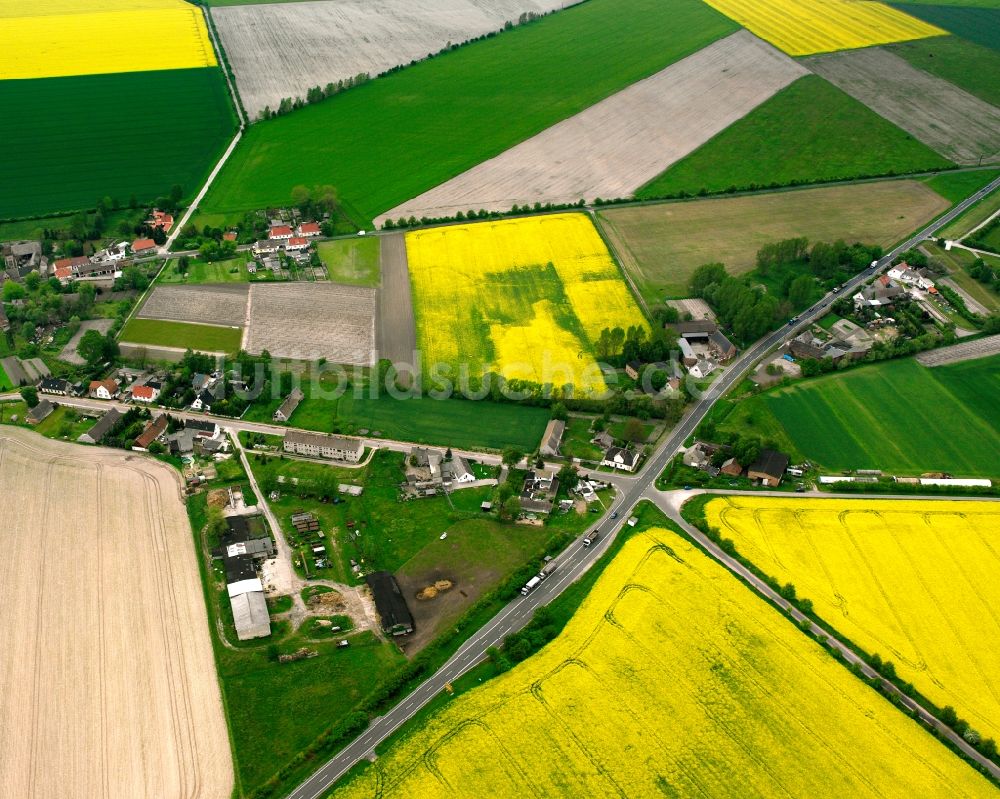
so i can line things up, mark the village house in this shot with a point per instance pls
(113, 253)
(621, 458)
(688, 357)
(150, 392)
(769, 467)
(633, 368)
(904, 273)
(21, 258)
(703, 368)
(56, 386)
(604, 440)
(731, 467)
(308, 229)
(40, 412)
(721, 347)
(143, 246)
(160, 219)
(318, 445)
(103, 426)
(150, 433)
(296, 243)
(103, 389)
(539, 491)
(552, 438)
(284, 413)
(66, 268)
(695, 329)
(457, 470)
(266, 246)
(229, 235)
(280, 232)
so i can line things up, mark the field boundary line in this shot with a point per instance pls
(595, 219)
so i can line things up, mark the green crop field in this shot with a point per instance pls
(182, 335)
(966, 65)
(74, 140)
(980, 25)
(401, 135)
(894, 416)
(811, 131)
(5, 382)
(956, 186)
(353, 261)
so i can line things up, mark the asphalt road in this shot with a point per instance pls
(575, 560)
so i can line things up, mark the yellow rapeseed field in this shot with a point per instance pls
(524, 297)
(54, 38)
(805, 27)
(914, 581)
(672, 679)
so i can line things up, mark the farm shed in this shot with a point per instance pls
(552, 438)
(284, 413)
(40, 412)
(390, 603)
(103, 426)
(769, 467)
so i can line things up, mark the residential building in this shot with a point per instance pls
(150, 433)
(696, 457)
(769, 467)
(57, 386)
(296, 243)
(621, 458)
(202, 428)
(284, 413)
(66, 268)
(40, 412)
(280, 232)
(721, 347)
(143, 246)
(807, 345)
(229, 235)
(703, 368)
(552, 438)
(266, 246)
(878, 295)
(390, 604)
(731, 467)
(318, 445)
(457, 470)
(633, 369)
(103, 389)
(101, 428)
(309, 229)
(150, 392)
(160, 219)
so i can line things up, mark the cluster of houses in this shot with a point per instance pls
(283, 239)
(896, 283)
(843, 340)
(538, 493)
(430, 471)
(768, 470)
(614, 456)
(703, 346)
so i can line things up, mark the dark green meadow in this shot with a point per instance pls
(68, 142)
(980, 25)
(969, 66)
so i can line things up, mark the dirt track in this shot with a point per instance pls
(106, 664)
(397, 331)
(282, 49)
(953, 122)
(624, 141)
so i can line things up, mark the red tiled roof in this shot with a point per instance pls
(161, 220)
(280, 230)
(297, 241)
(309, 229)
(110, 385)
(152, 430)
(143, 244)
(71, 262)
(146, 392)
(229, 236)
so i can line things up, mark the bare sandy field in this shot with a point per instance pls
(661, 244)
(626, 140)
(109, 686)
(206, 305)
(951, 121)
(280, 50)
(309, 321)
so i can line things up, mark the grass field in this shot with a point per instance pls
(117, 36)
(353, 261)
(809, 132)
(972, 218)
(956, 186)
(199, 272)
(896, 416)
(526, 298)
(182, 335)
(805, 27)
(168, 128)
(958, 263)
(5, 381)
(671, 679)
(977, 24)
(660, 245)
(911, 581)
(402, 135)
(957, 61)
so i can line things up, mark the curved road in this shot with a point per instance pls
(575, 560)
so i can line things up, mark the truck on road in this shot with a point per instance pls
(531, 585)
(547, 569)
(593, 538)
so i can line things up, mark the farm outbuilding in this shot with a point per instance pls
(390, 604)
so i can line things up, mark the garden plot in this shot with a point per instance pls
(206, 305)
(108, 676)
(310, 321)
(280, 50)
(958, 125)
(621, 143)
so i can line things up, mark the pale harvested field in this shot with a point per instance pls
(967, 351)
(108, 678)
(309, 321)
(282, 49)
(662, 244)
(958, 125)
(624, 141)
(205, 305)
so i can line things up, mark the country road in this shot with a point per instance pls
(575, 560)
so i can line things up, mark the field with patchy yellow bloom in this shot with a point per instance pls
(806, 27)
(526, 298)
(914, 581)
(54, 38)
(672, 679)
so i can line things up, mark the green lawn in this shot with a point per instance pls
(956, 186)
(168, 127)
(464, 424)
(401, 135)
(5, 382)
(894, 416)
(232, 271)
(576, 440)
(64, 423)
(182, 335)
(957, 61)
(353, 261)
(809, 131)
(980, 25)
